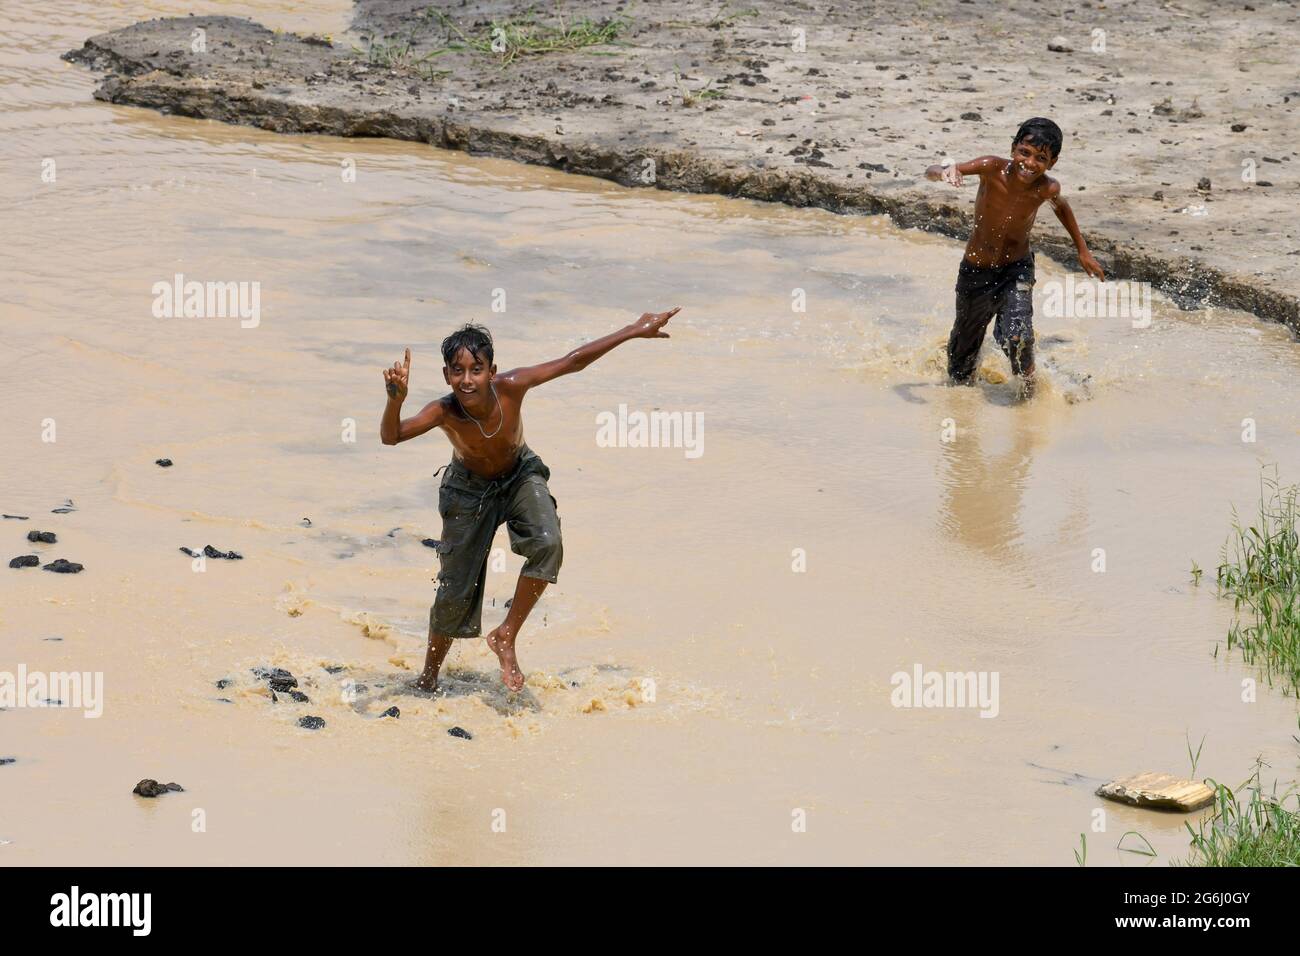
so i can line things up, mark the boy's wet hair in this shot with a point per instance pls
(469, 336)
(1040, 131)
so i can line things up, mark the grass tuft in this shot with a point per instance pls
(1260, 571)
(526, 35)
(1261, 832)
(691, 97)
(401, 53)
(725, 19)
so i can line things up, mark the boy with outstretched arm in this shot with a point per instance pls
(493, 478)
(996, 277)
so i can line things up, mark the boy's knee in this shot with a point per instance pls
(550, 554)
(550, 548)
(545, 555)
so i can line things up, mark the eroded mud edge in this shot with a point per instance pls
(1187, 281)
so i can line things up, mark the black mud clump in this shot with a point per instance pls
(460, 732)
(299, 697)
(278, 678)
(391, 712)
(210, 552)
(25, 561)
(311, 723)
(163, 462)
(46, 536)
(6, 760)
(61, 566)
(152, 788)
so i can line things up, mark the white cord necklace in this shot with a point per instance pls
(492, 386)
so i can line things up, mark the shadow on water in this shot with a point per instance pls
(905, 391)
(995, 393)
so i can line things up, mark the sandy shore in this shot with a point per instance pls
(815, 104)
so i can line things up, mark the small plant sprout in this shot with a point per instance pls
(1149, 850)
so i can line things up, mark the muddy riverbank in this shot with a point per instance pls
(1180, 157)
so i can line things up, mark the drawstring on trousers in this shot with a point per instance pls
(494, 486)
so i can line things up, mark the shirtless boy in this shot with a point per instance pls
(493, 478)
(996, 277)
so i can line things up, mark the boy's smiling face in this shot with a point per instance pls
(470, 376)
(1029, 161)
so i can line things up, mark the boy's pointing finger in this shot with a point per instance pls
(407, 360)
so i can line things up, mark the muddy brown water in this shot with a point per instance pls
(823, 449)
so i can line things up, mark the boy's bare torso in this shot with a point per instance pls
(1004, 216)
(489, 446)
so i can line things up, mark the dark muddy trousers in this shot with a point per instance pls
(472, 509)
(1003, 291)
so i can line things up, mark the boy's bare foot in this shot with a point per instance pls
(503, 646)
(426, 682)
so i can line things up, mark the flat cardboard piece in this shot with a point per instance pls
(1158, 791)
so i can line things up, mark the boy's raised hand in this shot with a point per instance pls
(396, 378)
(650, 324)
(951, 174)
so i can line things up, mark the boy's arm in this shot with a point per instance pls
(1066, 215)
(953, 172)
(391, 427)
(649, 326)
